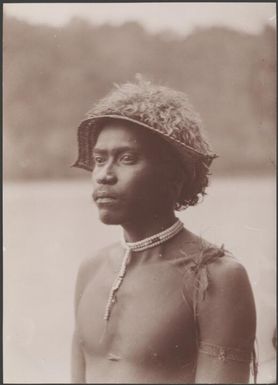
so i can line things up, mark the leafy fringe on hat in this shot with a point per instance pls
(160, 107)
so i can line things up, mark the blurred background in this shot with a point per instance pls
(58, 60)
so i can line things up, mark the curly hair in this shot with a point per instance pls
(193, 176)
(167, 114)
(195, 183)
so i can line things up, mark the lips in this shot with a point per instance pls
(105, 197)
(106, 200)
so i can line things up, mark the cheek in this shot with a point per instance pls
(134, 178)
(141, 183)
(93, 177)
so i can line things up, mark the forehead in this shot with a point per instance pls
(116, 133)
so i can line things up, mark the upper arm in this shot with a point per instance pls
(85, 273)
(77, 355)
(81, 281)
(227, 325)
(77, 361)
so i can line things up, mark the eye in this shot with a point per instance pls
(98, 159)
(128, 158)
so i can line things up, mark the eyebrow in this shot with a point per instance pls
(99, 150)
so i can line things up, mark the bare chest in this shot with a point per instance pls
(149, 321)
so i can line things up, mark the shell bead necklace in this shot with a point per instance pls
(144, 244)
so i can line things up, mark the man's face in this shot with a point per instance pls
(127, 178)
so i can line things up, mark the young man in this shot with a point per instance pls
(163, 305)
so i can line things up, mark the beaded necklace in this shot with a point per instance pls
(144, 244)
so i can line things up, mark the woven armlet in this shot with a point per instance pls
(226, 353)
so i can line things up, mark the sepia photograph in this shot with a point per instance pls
(139, 193)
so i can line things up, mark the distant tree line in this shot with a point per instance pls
(52, 76)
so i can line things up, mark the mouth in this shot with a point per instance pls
(102, 198)
(106, 200)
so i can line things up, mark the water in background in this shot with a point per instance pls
(49, 227)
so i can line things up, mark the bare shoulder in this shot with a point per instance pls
(229, 302)
(227, 276)
(230, 275)
(226, 302)
(223, 267)
(90, 265)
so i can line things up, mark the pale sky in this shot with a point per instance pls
(180, 17)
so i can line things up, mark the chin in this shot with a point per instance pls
(109, 218)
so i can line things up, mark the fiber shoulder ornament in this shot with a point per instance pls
(160, 109)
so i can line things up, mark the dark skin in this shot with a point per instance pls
(151, 334)
(129, 167)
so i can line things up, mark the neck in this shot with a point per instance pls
(136, 231)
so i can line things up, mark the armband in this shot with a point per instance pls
(226, 353)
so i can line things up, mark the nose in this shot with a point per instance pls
(105, 175)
